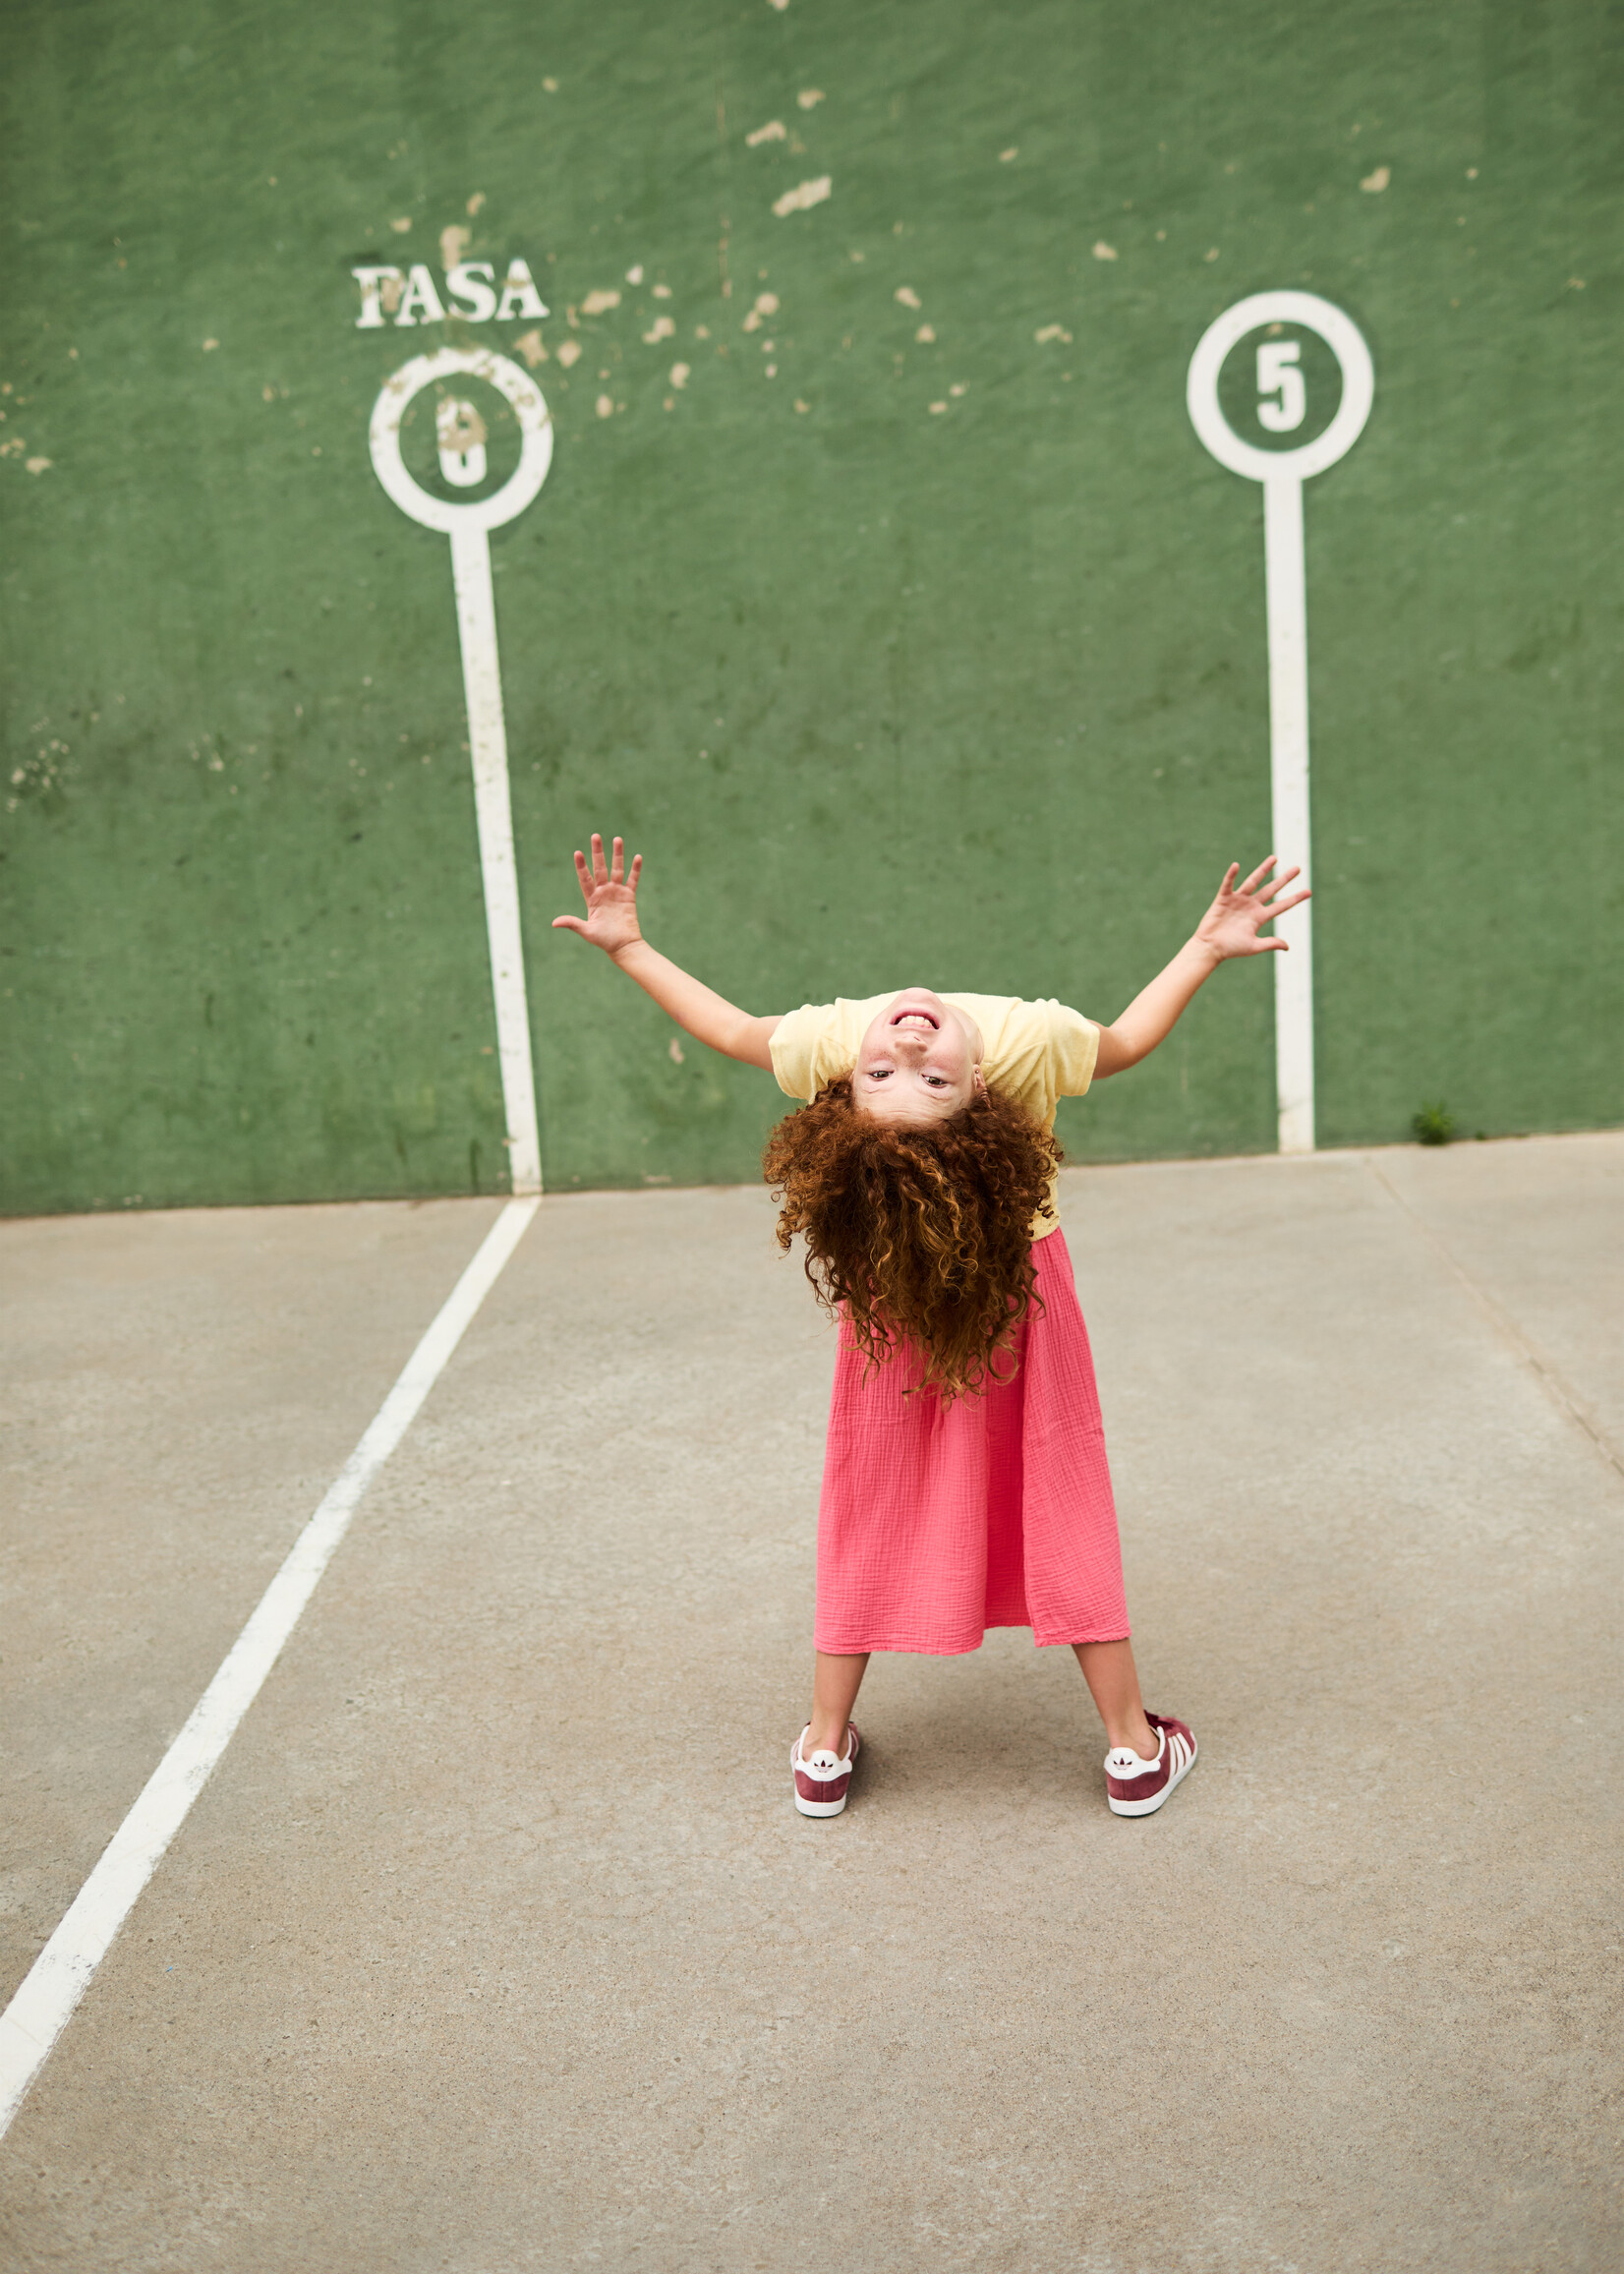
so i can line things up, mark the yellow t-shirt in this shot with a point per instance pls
(1037, 1053)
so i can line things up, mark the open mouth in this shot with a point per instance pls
(916, 1018)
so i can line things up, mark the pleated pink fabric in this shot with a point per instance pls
(938, 1522)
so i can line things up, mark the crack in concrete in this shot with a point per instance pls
(1559, 1391)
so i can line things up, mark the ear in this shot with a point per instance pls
(978, 1080)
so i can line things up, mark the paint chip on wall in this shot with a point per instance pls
(532, 348)
(1378, 180)
(453, 244)
(662, 328)
(680, 374)
(635, 275)
(568, 350)
(925, 334)
(1050, 332)
(804, 196)
(774, 131)
(809, 97)
(474, 204)
(605, 406)
(906, 297)
(1103, 251)
(458, 429)
(599, 303)
(402, 226)
(210, 344)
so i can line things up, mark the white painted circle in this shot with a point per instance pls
(535, 427)
(1346, 342)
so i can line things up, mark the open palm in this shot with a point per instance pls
(611, 895)
(1232, 924)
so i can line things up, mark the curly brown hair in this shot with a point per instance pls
(921, 1234)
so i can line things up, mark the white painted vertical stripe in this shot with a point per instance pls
(1283, 474)
(1286, 587)
(488, 744)
(59, 1977)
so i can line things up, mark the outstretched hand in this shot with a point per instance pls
(1232, 924)
(611, 895)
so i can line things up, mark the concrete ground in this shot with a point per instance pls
(495, 1942)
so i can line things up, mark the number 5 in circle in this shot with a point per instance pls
(1278, 374)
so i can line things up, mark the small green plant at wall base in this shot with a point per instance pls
(1434, 1125)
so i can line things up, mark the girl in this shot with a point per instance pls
(965, 1483)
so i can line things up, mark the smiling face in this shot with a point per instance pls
(920, 1060)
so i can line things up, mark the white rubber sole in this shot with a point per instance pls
(1160, 1799)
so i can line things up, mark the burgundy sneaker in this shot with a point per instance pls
(1138, 1787)
(822, 1783)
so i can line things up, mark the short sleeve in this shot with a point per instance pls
(805, 1048)
(1073, 1046)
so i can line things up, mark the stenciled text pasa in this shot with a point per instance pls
(409, 296)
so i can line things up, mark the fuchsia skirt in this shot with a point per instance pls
(939, 1522)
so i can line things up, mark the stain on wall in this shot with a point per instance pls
(880, 591)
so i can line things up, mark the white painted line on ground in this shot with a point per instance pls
(61, 1974)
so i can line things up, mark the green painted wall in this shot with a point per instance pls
(974, 696)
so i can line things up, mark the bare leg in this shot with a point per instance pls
(1109, 1670)
(836, 1682)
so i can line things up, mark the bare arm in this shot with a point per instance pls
(1229, 928)
(610, 923)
